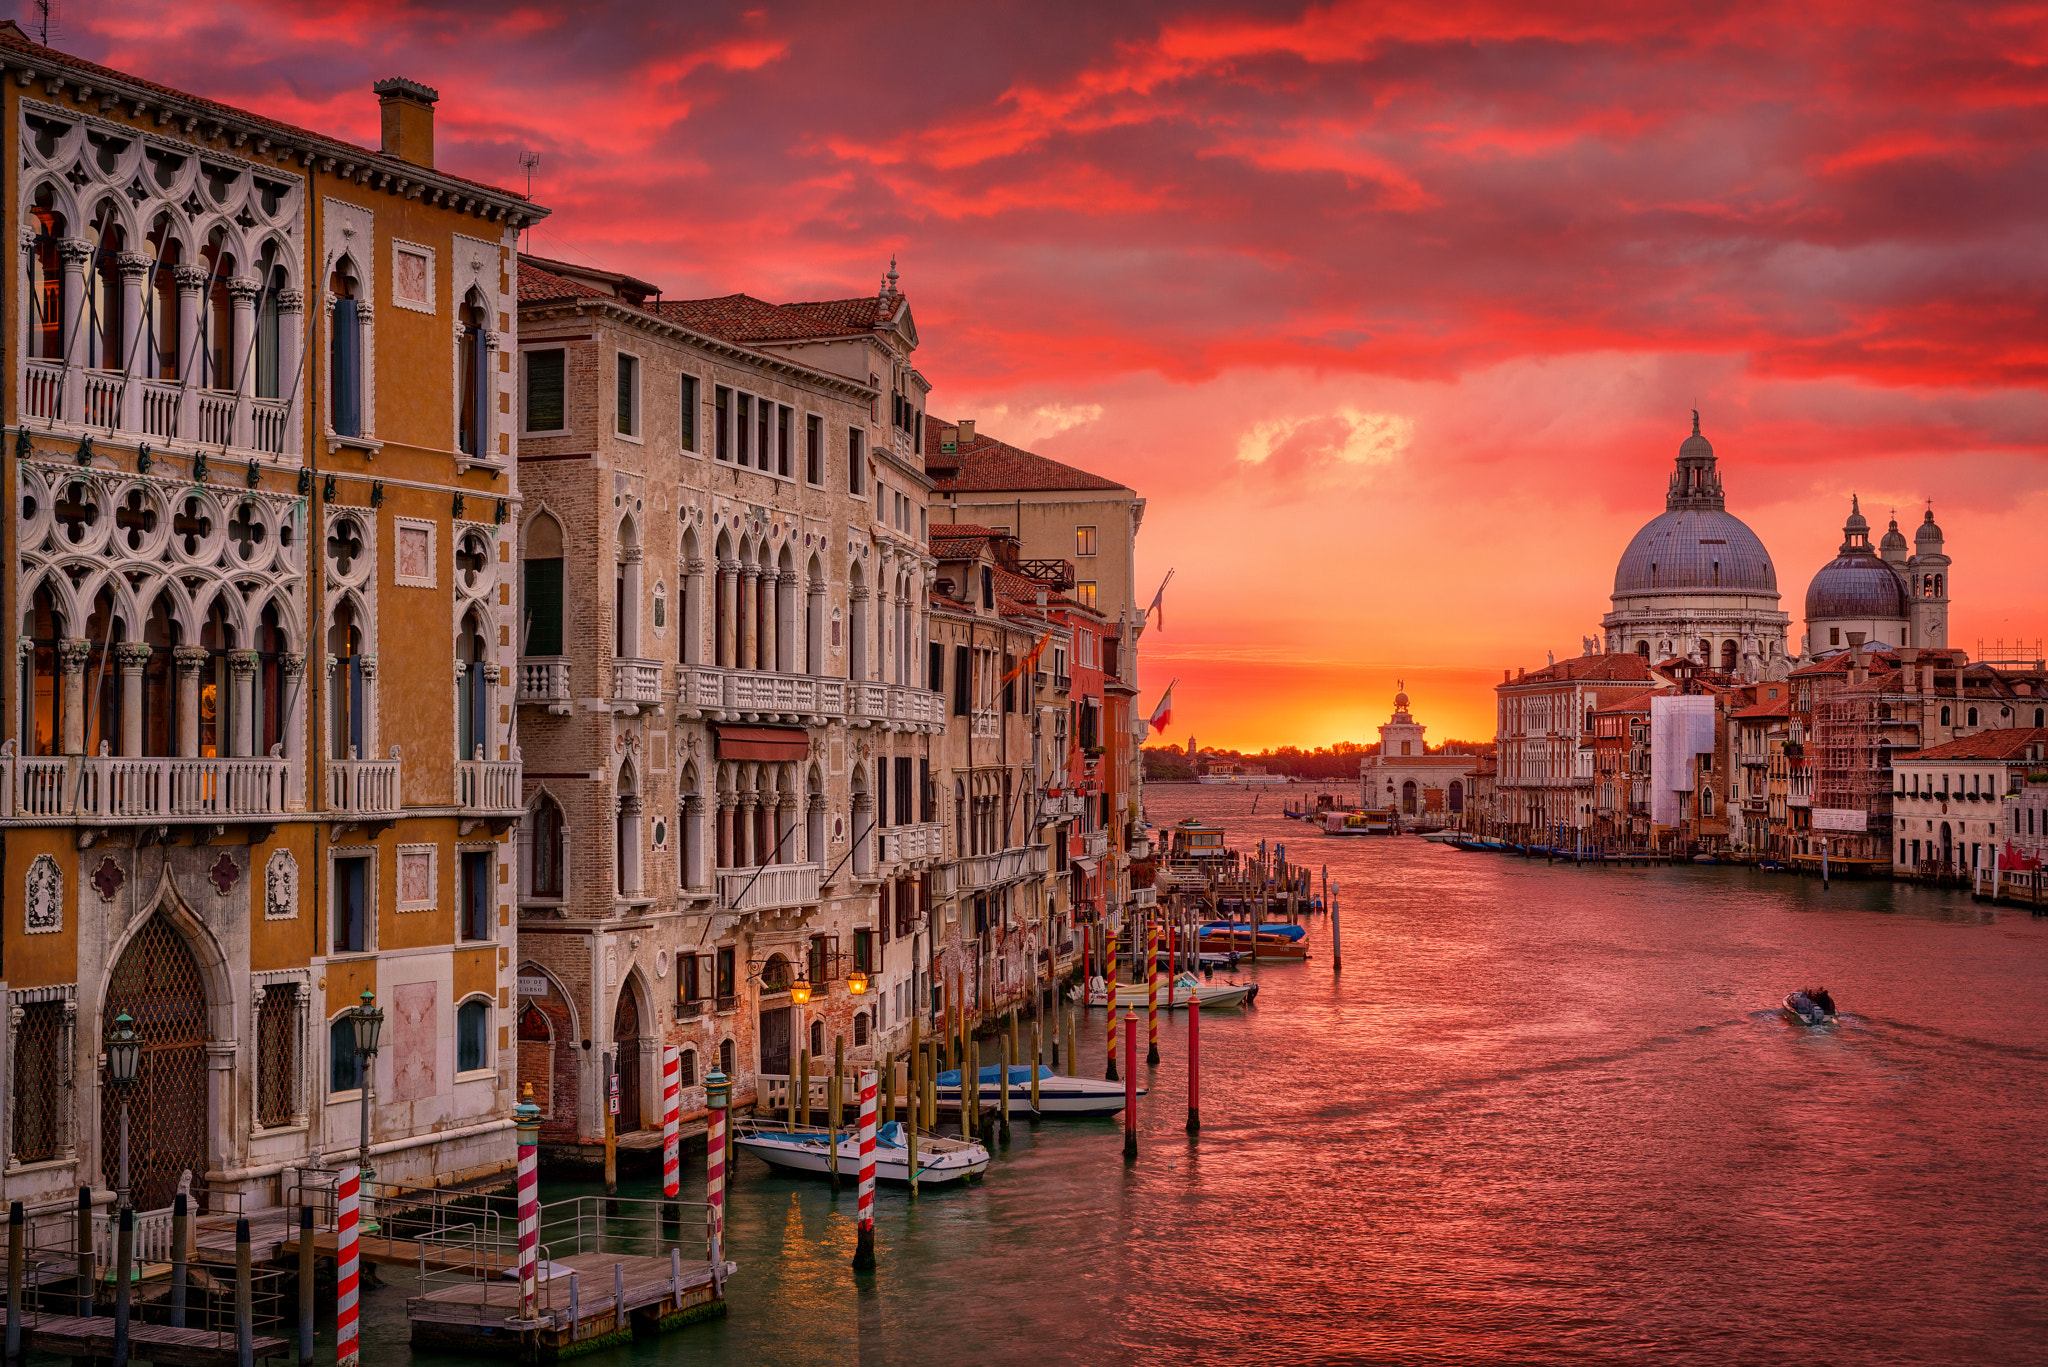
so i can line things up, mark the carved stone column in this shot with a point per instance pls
(689, 618)
(71, 657)
(785, 622)
(191, 284)
(728, 613)
(241, 378)
(133, 657)
(134, 267)
(242, 680)
(750, 600)
(291, 327)
(190, 660)
(73, 256)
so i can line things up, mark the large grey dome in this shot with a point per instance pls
(1689, 549)
(1854, 586)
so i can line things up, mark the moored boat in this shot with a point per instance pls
(1240, 942)
(1057, 1095)
(1358, 823)
(806, 1150)
(1174, 993)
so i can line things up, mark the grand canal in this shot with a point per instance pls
(1544, 1115)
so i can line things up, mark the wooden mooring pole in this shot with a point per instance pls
(1130, 1083)
(1194, 1065)
(307, 1266)
(17, 1274)
(180, 1242)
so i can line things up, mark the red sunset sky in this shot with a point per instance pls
(1394, 312)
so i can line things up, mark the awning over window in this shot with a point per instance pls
(763, 742)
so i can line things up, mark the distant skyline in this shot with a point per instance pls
(1395, 316)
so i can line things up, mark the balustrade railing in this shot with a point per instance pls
(636, 681)
(488, 785)
(1004, 866)
(922, 841)
(103, 392)
(43, 390)
(363, 787)
(268, 425)
(114, 788)
(987, 723)
(867, 699)
(916, 706)
(160, 405)
(544, 679)
(216, 418)
(712, 688)
(771, 886)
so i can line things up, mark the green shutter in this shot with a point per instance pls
(543, 608)
(545, 410)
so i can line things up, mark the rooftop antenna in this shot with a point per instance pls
(49, 20)
(529, 160)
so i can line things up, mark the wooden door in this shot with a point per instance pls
(626, 1040)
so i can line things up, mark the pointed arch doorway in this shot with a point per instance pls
(158, 982)
(626, 1040)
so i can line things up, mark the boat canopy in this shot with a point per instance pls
(1279, 928)
(1020, 1075)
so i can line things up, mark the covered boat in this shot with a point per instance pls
(1057, 1095)
(1275, 940)
(1174, 993)
(1811, 1007)
(805, 1149)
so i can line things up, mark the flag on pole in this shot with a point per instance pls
(1162, 715)
(1029, 663)
(1159, 601)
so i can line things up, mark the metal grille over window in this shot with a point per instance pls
(277, 1052)
(157, 982)
(38, 1053)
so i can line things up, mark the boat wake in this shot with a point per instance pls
(1927, 1037)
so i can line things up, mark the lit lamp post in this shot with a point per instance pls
(368, 1021)
(124, 1058)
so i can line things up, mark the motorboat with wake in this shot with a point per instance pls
(1811, 1007)
(1174, 993)
(806, 1149)
(1057, 1095)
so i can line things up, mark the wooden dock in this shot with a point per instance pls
(75, 1337)
(483, 1315)
(389, 1252)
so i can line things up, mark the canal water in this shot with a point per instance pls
(1544, 1115)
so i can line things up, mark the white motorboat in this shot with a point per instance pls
(806, 1149)
(1174, 993)
(1057, 1095)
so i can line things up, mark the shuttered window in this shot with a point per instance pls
(543, 607)
(962, 680)
(546, 410)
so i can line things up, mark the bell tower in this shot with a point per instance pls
(1927, 573)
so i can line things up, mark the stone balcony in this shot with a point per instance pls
(489, 788)
(1094, 844)
(636, 685)
(981, 872)
(904, 844)
(770, 888)
(220, 421)
(114, 790)
(755, 695)
(544, 682)
(363, 789)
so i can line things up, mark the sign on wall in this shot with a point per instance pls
(1840, 819)
(534, 986)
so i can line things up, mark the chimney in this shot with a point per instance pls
(408, 110)
(966, 431)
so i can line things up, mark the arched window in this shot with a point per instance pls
(814, 819)
(1944, 716)
(536, 1056)
(104, 324)
(346, 701)
(45, 293)
(473, 713)
(686, 1069)
(725, 1059)
(1972, 717)
(160, 680)
(860, 1028)
(543, 571)
(216, 684)
(269, 702)
(473, 433)
(1643, 649)
(547, 853)
(1728, 656)
(472, 1036)
(1457, 795)
(689, 604)
(217, 325)
(2040, 717)
(817, 1040)
(626, 828)
(165, 318)
(343, 1074)
(345, 353)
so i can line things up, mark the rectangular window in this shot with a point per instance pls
(935, 668)
(814, 448)
(928, 798)
(1085, 591)
(689, 977)
(351, 905)
(905, 793)
(783, 414)
(1084, 541)
(721, 423)
(961, 680)
(38, 1074)
(545, 408)
(863, 951)
(856, 462)
(725, 974)
(472, 1036)
(687, 429)
(762, 418)
(543, 606)
(476, 896)
(277, 1052)
(629, 395)
(742, 427)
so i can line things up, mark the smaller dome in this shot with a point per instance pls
(1894, 540)
(1856, 586)
(1400, 702)
(1857, 521)
(1929, 529)
(1696, 447)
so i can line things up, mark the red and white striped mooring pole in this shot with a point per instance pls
(347, 1346)
(526, 1123)
(864, 1246)
(671, 1119)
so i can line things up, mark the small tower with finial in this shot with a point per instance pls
(1927, 573)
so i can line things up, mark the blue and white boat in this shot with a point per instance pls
(1057, 1094)
(806, 1149)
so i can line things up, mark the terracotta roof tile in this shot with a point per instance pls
(1616, 667)
(537, 286)
(1985, 745)
(1634, 702)
(743, 318)
(986, 464)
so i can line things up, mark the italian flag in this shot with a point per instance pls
(1162, 715)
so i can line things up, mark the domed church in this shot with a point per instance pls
(1890, 596)
(1696, 581)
